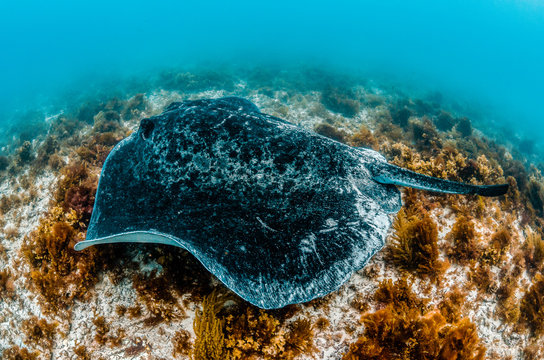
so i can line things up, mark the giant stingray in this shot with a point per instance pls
(278, 213)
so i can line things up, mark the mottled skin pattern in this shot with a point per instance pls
(279, 214)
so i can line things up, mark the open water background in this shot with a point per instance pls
(487, 53)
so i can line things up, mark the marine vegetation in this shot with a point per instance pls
(535, 192)
(534, 251)
(82, 353)
(498, 245)
(76, 191)
(465, 240)
(405, 328)
(445, 121)
(17, 353)
(261, 334)
(452, 305)
(401, 116)
(508, 303)
(340, 100)
(242, 331)
(362, 138)
(106, 334)
(532, 306)
(24, 153)
(155, 291)
(414, 245)
(4, 162)
(58, 272)
(181, 343)
(208, 327)
(331, 132)
(38, 332)
(425, 135)
(49, 250)
(198, 80)
(464, 126)
(7, 289)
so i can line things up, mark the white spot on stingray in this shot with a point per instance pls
(331, 226)
(307, 245)
(265, 225)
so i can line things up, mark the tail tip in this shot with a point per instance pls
(493, 190)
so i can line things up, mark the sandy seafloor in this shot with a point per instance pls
(500, 339)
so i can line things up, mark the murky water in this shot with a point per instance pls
(487, 54)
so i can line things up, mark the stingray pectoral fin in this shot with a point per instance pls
(390, 174)
(130, 237)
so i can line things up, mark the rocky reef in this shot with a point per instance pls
(461, 277)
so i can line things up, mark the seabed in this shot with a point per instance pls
(460, 276)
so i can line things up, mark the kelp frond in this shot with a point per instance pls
(208, 327)
(414, 247)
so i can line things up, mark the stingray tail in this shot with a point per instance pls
(390, 174)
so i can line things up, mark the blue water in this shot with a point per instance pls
(490, 53)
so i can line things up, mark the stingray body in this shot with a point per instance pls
(279, 214)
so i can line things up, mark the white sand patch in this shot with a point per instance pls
(26, 218)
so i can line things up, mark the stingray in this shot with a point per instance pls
(279, 214)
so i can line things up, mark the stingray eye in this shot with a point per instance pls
(146, 128)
